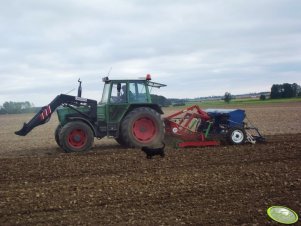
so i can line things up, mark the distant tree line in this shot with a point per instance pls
(285, 90)
(227, 97)
(160, 100)
(10, 107)
(262, 97)
(178, 102)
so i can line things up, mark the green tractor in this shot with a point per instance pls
(125, 113)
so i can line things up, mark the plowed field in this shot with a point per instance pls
(224, 185)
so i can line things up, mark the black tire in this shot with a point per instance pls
(142, 127)
(237, 135)
(120, 141)
(76, 136)
(57, 134)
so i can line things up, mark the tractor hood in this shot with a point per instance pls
(236, 116)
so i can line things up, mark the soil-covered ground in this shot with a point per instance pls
(223, 185)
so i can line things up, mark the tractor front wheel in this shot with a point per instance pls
(57, 134)
(76, 136)
(237, 135)
(142, 127)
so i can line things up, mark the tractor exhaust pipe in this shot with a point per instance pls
(79, 90)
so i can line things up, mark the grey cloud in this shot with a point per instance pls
(205, 47)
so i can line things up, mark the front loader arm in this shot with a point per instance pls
(45, 112)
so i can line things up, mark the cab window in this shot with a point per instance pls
(137, 92)
(119, 93)
(105, 93)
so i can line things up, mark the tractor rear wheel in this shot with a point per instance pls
(57, 134)
(142, 127)
(76, 136)
(237, 135)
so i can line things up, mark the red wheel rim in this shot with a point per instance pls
(77, 138)
(144, 129)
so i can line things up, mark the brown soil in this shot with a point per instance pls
(224, 185)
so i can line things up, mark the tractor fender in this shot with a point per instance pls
(70, 119)
(156, 107)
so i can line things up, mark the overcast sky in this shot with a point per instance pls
(196, 47)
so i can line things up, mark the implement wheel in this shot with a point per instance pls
(142, 127)
(237, 135)
(76, 136)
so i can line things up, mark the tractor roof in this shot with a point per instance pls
(147, 79)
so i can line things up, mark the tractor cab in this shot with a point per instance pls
(121, 96)
(128, 91)
(125, 91)
(122, 101)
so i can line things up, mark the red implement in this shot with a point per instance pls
(190, 126)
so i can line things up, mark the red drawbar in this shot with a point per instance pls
(197, 143)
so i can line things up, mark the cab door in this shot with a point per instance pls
(117, 106)
(138, 92)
